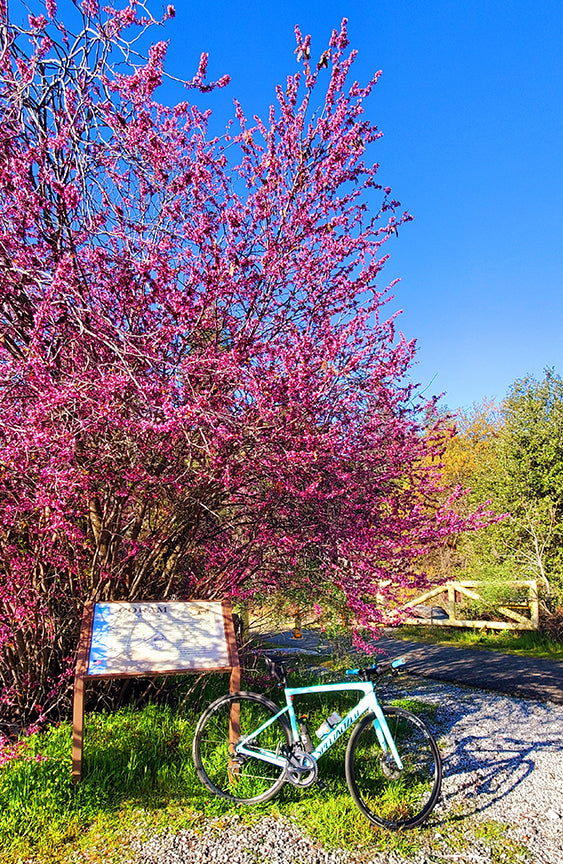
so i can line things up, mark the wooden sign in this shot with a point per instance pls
(125, 640)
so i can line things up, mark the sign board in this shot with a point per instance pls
(125, 640)
(150, 638)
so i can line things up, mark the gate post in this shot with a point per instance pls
(451, 602)
(534, 604)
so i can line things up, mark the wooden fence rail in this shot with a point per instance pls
(451, 602)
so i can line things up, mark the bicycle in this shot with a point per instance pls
(245, 748)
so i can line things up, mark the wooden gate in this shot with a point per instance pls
(449, 597)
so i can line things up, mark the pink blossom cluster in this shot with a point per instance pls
(200, 392)
(20, 748)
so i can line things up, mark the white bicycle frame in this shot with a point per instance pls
(367, 703)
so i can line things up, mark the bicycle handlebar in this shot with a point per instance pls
(378, 669)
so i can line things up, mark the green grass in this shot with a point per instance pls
(526, 643)
(138, 779)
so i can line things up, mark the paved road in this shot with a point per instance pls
(527, 677)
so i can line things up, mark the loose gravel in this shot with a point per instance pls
(503, 762)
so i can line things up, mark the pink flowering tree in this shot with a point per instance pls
(201, 395)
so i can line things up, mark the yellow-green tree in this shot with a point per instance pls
(471, 460)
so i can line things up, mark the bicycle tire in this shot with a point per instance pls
(388, 797)
(240, 779)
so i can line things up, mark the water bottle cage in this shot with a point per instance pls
(304, 735)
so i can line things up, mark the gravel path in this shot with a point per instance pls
(503, 761)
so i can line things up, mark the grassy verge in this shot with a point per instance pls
(139, 780)
(525, 642)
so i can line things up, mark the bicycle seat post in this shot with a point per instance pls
(276, 666)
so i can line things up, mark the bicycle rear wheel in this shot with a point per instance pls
(391, 797)
(240, 778)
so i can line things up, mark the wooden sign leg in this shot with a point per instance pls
(234, 720)
(80, 674)
(234, 723)
(77, 728)
(234, 683)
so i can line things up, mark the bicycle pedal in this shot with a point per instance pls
(321, 785)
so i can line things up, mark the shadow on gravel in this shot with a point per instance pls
(482, 767)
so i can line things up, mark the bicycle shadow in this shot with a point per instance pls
(483, 767)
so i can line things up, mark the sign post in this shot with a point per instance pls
(126, 640)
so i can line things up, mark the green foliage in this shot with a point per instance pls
(533, 447)
(532, 456)
(512, 456)
(325, 604)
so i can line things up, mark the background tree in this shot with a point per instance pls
(199, 393)
(471, 460)
(512, 455)
(532, 458)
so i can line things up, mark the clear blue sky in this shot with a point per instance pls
(471, 107)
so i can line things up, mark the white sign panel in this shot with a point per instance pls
(136, 638)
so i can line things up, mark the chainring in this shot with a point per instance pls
(302, 769)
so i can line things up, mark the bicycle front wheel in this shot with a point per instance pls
(240, 778)
(391, 797)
